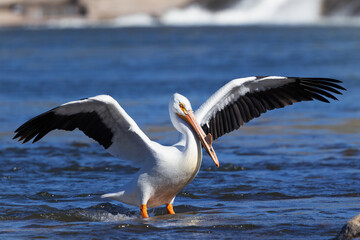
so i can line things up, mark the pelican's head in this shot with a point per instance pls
(179, 106)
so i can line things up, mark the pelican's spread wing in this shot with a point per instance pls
(243, 99)
(100, 118)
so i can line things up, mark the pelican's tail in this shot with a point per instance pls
(123, 197)
(116, 196)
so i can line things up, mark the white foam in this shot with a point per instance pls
(102, 216)
(248, 12)
(245, 12)
(134, 20)
(69, 23)
(108, 217)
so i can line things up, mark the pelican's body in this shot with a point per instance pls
(166, 170)
(158, 182)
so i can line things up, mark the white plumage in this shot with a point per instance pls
(166, 170)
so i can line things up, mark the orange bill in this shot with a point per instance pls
(206, 140)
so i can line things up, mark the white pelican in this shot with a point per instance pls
(166, 170)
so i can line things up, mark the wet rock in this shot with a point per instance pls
(216, 5)
(350, 230)
(341, 8)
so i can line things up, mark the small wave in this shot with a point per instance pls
(226, 168)
(14, 151)
(159, 211)
(80, 215)
(349, 152)
(45, 196)
(249, 153)
(75, 167)
(105, 212)
(188, 195)
(255, 196)
(355, 194)
(237, 226)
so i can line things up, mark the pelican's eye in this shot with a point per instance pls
(182, 107)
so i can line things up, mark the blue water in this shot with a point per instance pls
(293, 173)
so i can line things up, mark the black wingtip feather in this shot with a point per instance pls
(313, 89)
(324, 81)
(254, 103)
(89, 122)
(328, 80)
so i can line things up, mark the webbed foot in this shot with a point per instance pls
(170, 208)
(143, 210)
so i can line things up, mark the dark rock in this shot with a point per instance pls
(216, 5)
(343, 7)
(350, 230)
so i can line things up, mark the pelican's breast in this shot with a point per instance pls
(174, 170)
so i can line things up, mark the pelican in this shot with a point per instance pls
(165, 170)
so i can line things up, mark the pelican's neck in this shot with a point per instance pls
(189, 138)
(190, 146)
(189, 143)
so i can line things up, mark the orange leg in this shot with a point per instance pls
(170, 209)
(143, 210)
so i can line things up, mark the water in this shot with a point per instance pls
(292, 174)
